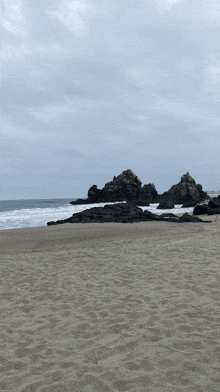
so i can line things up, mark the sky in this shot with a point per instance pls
(90, 88)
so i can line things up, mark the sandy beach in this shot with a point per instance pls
(111, 308)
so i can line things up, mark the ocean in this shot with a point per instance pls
(15, 214)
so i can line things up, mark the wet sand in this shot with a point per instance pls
(111, 308)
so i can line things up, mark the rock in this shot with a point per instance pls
(165, 205)
(212, 208)
(170, 217)
(189, 218)
(121, 212)
(148, 195)
(125, 187)
(201, 209)
(214, 202)
(185, 191)
(128, 187)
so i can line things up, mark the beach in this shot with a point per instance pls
(111, 307)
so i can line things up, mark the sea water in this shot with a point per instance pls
(16, 214)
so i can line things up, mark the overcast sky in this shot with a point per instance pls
(92, 88)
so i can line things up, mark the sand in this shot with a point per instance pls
(111, 307)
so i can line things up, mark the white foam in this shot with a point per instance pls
(35, 217)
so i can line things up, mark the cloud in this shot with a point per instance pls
(74, 15)
(114, 84)
(13, 18)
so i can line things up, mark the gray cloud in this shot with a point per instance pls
(91, 88)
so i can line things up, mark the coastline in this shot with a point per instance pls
(110, 307)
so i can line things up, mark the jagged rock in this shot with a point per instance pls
(185, 191)
(125, 187)
(148, 195)
(121, 212)
(165, 205)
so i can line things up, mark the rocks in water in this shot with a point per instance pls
(121, 212)
(128, 187)
(125, 187)
(165, 205)
(185, 191)
(213, 207)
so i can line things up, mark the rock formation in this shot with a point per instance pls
(125, 187)
(186, 191)
(128, 187)
(213, 207)
(122, 212)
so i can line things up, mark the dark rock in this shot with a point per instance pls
(165, 205)
(189, 218)
(149, 216)
(128, 187)
(201, 209)
(125, 187)
(214, 202)
(121, 212)
(210, 209)
(148, 195)
(185, 191)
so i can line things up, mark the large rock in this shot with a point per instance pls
(128, 187)
(125, 187)
(212, 208)
(121, 212)
(185, 191)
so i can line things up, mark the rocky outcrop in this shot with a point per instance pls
(125, 187)
(186, 191)
(212, 208)
(128, 187)
(121, 212)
